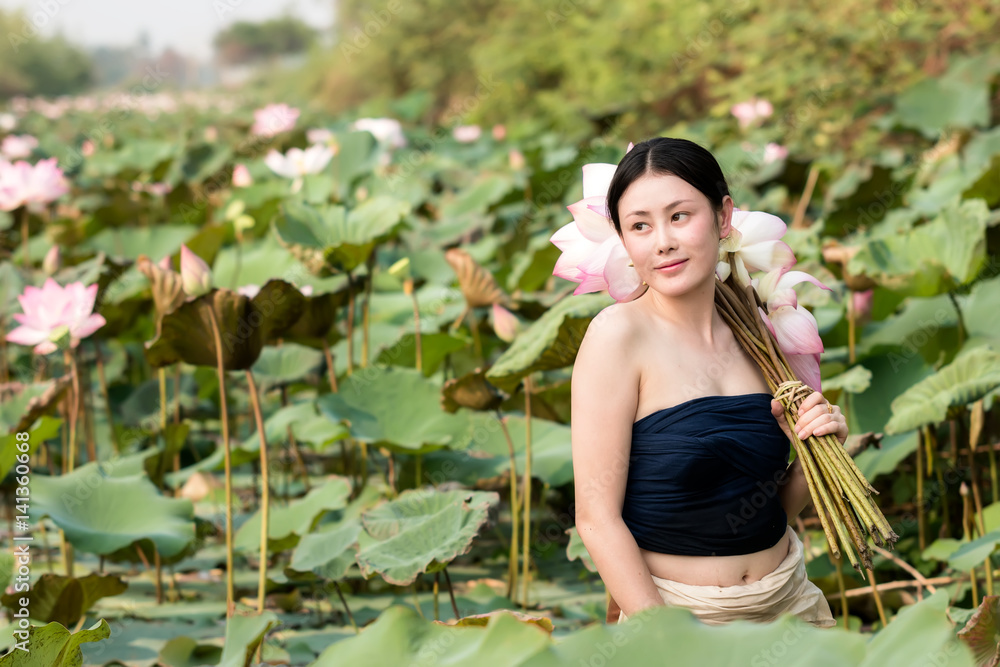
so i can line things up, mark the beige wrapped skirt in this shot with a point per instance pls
(786, 590)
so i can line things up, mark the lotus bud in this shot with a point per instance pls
(505, 323)
(516, 159)
(630, 147)
(400, 268)
(52, 261)
(165, 264)
(196, 277)
(499, 132)
(241, 176)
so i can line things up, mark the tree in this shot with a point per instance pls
(246, 42)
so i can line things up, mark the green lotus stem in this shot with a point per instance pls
(265, 492)
(437, 577)
(408, 288)
(418, 473)
(416, 599)
(878, 597)
(845, 515)
(527, 490)
(988, 566)
(451, 592)
(293, 445)
(838, 568)
(331, 372)
(159, 575)
(103, 382)
(921, 528)
(73, 404)
(22, 213)
(365, 308)
(364, 464)
(514, 509)
(343, 601)
(993, 473)
(851, 356)
(477, 344)
(350, 324)
(162, 373)
(224, 414)
(4, 371)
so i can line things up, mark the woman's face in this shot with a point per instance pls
(669, 230)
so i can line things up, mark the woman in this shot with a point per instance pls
(682, 493)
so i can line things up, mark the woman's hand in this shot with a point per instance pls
(816, 417)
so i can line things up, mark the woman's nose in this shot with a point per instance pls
(665, 240)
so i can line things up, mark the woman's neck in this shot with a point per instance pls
(691, 314)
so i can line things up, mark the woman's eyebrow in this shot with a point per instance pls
(665, 208)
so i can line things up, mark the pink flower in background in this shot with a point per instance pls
(506, 325)
(241, 176)
(52, 312)
(319, 135)
(774, 152)
(751, 111)
(17, 146)
(499, 132)
(196, 277)
(756, 242)
(158, 189)
(87, 148)
(862, 304)
(516, 159)
(274, 119)
(35, 186)
(467, 133)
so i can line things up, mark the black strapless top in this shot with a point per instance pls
(704, 477)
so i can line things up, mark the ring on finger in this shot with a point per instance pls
(829, 408)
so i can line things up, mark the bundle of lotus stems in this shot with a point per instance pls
(841, 494)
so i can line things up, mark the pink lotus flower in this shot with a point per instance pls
(274, 119)
(774, 152)
(499, 132)
(593, 254)
(241, 176)
(757, 245)
(196, 277)
(466, 134)
(21, 184)
(794, 327)
(862, 304)
(506, 324)
(320, 135)
(515, 159)
(53, 312)
(752, 110)
(17, 146)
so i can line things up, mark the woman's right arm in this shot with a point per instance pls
(605, 388)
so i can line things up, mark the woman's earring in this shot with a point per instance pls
(630, 263)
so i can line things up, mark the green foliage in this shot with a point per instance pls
(36, 65)
(244, 42)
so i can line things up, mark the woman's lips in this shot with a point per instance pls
(673, 267)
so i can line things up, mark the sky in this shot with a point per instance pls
(186, 25)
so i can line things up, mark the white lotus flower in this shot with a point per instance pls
(757, 245)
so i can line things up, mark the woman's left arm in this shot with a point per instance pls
(817, 416)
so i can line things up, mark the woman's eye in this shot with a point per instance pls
(636, 225)
(674, 216)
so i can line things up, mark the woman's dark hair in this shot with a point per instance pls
(665, 155)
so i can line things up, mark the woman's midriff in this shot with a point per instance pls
(716, 570)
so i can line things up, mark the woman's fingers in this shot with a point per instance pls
(819, 420)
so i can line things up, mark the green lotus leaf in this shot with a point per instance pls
(316, 324)
(935, 257)
(60, 599)
(434, 349)
(968, 378)
(255, 262)
(284, 364)
(853, 381)
(200, 161)
(48, 427)
(356, 155)
(244, 326)
(421, 531)
(941, 549)
(286, 525)
(327, 553)
(334, 239)
(130, 242)
(395, 407)
(102, 514)
(957, 99)
(576, 549)
(307, 426)
(187, 652)
(136, 154)
(971, 554)
(551, 342)
(243, 635)
(52, 645)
